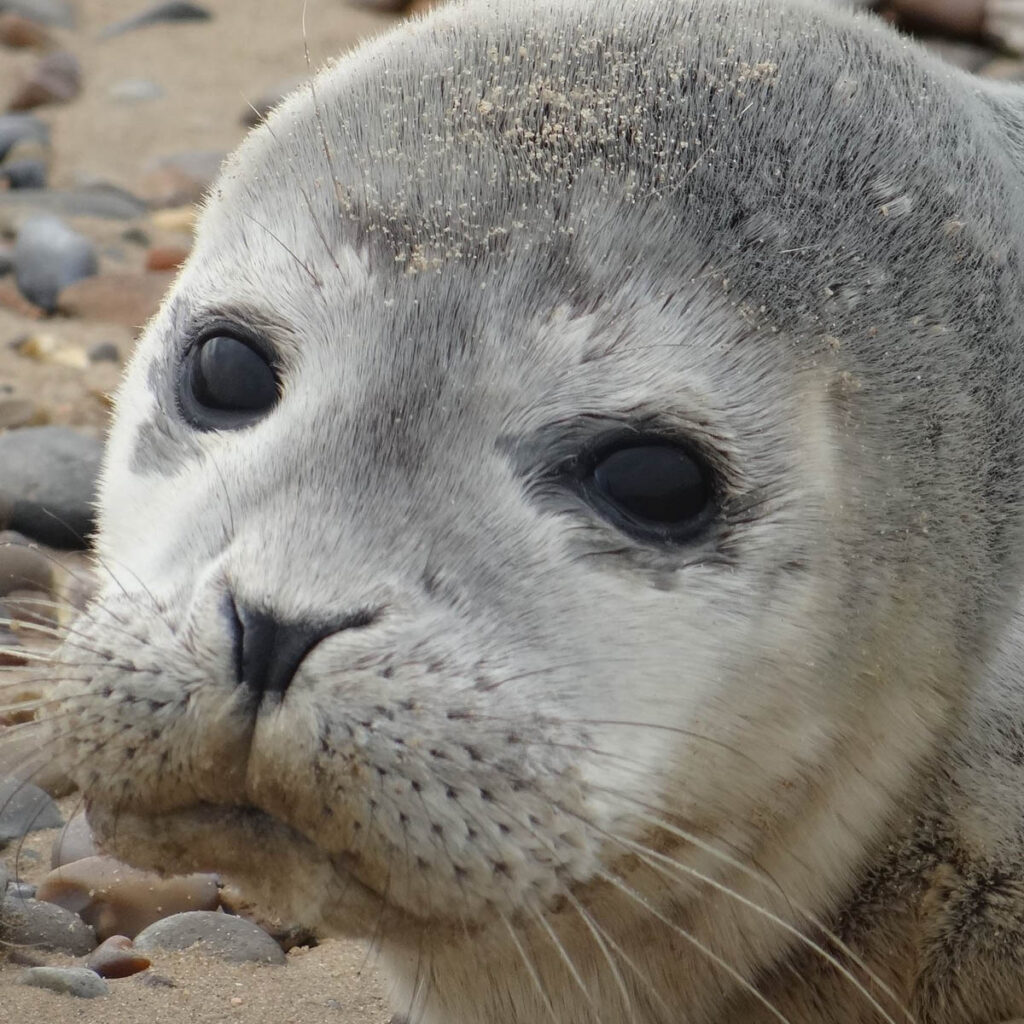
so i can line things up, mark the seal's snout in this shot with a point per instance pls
(269, 651)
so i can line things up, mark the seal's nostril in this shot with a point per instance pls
(268, 652)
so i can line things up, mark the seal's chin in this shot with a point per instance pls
(273, 865)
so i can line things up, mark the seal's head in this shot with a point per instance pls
(577, 464)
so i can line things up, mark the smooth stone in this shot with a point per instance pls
(228, 938)
(166, 257)
(176, 10)
(106, 201)
(18, 127)
(19, 32)
(48, 484)
(49, 12)
(24, 173)
(48, 256)
(116, 957)
(21, 890)
(104, 352)
(71, 981)
(45, 926)
(56, 78)
(117, 899)
(136, 90)
(75, 842)
(46, 348)
(24, 568)
(24, 808)
(19, 412)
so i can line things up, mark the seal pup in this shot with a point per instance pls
(564, 524)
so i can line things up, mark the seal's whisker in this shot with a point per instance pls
(531, 970)
(566, 959)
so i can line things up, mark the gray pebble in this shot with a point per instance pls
(176, 10)
(104, 352)
(48, 256)
(105, 201)
(16, 128)
(22, 890)
(230, 938)
(42, 925)
(24, 808)
(48, 483)
(49, 12)
(75, 842)
(24, 173)
(72, 981)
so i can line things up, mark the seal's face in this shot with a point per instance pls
(510, 540)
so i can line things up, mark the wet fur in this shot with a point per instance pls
(773, 775)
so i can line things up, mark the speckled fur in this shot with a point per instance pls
(560, 775)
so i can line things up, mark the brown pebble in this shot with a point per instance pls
(19, 32)
(121, 298)
(166, 257)
(75, 842)
(153, 980)
(120, 900)
(116, 958)
(20, 412)
(56, 78)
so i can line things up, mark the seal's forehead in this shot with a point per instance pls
(496, 126)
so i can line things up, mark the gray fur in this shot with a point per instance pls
(775, 774)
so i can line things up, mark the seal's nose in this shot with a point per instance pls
(268, 652)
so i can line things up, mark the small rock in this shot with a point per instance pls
(21, 890)
(48, 256)
(176, 10)
(17, 127)
(117, 899)
(136, 90)
(117, 958)
(105, 201)
(75, 842)
(153, 980)
(24, 173)
(104, 352)
(45, 926)
(180, 218)
(20, 412)
(48, 484)
(229, 938)
(71, 981)
(181, 178)
(257, 111)
(24, 808)
(24, 568)
(121, 298)
(56, 78)
(49, 12)
(20, 32)
(166, 257)
(45, 348)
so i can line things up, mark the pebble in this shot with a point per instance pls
(45, 926)
(75, 842)
(71, 981)
(24, 173)
(21, 890)
(257, 111)
(105, 201)
(136, 90)
(117, 899)
(24, 568)
(20, 32)
(48, 483)
(181, 178)
(49, 12)
(159, 12)
(120, 297)
(116, 957)
(18, 127)
(56, 78)
(179, 218)
(166, 257)
(229, 938)
(46, 348)
(48, 256)
(24, 808)
(104, 352)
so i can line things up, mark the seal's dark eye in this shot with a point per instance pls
(654, 490)
(226, 383)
